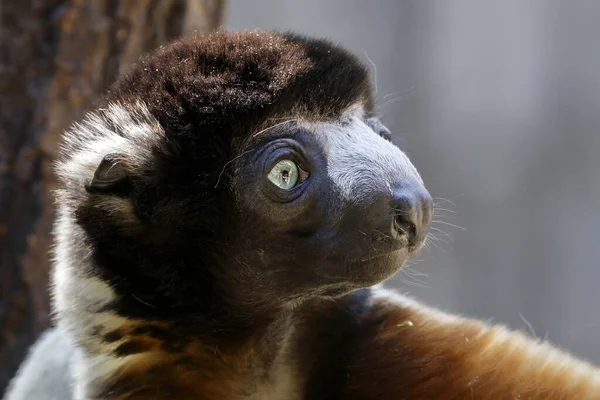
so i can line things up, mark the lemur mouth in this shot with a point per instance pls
(398, 255)
(388, 254)
(368, 269)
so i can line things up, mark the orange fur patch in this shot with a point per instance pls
(443, 357)
(156, 365)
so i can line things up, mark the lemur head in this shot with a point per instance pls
(235, 172)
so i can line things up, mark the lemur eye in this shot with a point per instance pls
(284, 174)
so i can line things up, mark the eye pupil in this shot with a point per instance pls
(284, 175)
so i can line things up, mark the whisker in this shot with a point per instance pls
(383, 234)
(394, 96)
(142, 301)
(227, 163)
(403, 279)
(438, 244)
(443, 209)
(448, 223)
(529, 325)
(427, 241)
(400, 211)
(374, 70)
(442, 232)
(392, 101)
(443, 200)
(414, 272)
(287, 118)
(388, 95)
(272, 126)
(411, 277)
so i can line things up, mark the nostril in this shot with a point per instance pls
(405, 226)
(406, 216)
(413, 208)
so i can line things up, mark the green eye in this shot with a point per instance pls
(284, 174)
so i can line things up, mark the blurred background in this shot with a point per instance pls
(497, 103)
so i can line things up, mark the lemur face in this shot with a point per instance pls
(332, 205)
(237, 172)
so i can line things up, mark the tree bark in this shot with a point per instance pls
(56, 56)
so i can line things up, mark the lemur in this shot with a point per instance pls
(225, 219)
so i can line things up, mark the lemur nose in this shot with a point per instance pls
(413, 209)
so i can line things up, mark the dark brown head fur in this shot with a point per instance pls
(208, 94)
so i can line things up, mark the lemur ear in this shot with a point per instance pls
(380, 129)
(111, 176)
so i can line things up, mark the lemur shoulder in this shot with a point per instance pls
(226, 216)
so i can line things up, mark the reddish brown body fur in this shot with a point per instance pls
(460, 359)
(356, 348)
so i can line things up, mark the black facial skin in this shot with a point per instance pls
(304, 242)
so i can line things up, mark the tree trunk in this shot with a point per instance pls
(56, 56)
